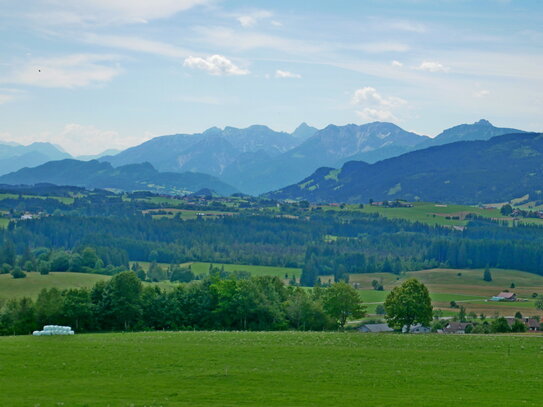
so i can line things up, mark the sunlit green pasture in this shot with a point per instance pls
(200, 369)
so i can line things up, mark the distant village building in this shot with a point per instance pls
(417, 329)
(456, 327)
(375, 328)
(27, 216)
(504, 296)
(532, 324)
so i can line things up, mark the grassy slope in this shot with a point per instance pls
(270, 369)
(202, 268)
(431, 213)
(35, 282)
(469, 288)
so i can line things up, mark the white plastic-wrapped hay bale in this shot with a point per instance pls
(49, 330)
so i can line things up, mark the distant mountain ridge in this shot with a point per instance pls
(257, 159)
(496, 170)
(132, 177)
(14, 156)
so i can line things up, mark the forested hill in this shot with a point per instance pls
(134, 177)
(469, 172)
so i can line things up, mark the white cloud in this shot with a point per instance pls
(205, 100)
(215, 65)
(481, 93)
(69, 71)
(5, 98)
(79, 139)
(374, 106)
(396, 64)
(250, 20)
(408, 26)
(137, 44)
(371, 115)
(377, 47)
(285, 74)
(432, 66)
(112, 11)
(221, 37)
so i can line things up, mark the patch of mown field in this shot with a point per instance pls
(34, 282)
(465, 287)
(459, 281)
(201, 369)
(281, 272)
(63, 199)
(185, 214)
(200, 268)
(426, 212)
(433, 213)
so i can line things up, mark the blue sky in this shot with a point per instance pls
(96, 74)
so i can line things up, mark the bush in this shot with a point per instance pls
(518, 326)
(380, 309)
(469, 329)
(500, 325)
(18, 273)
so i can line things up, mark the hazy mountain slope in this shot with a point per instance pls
(209, 152)
(15, 156)
(304, 131)
(95, 174)
(327, 147)
(480, 130)
(495, 170)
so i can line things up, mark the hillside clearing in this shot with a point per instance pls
(35, 282)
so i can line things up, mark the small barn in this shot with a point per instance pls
(417, 329)
(505, 296)
(375, 328)
(456, 327)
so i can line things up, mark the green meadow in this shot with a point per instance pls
(200, 268)
(432, 213)
(270, 369)
(34, 282)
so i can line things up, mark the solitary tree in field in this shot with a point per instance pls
(341, 302)
(539, 303)
(506, 210)
(462, 314)
(408, 304)
(486, 275)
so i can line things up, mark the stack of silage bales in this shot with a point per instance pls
(49, 330)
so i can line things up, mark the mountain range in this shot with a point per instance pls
(257, 159)
(131, 177)
(14, 156)
(252, 160)
(469, 172)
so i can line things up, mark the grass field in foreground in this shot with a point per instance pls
(35, 282)
(200, 369)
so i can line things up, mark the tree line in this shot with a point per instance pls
(124, 303)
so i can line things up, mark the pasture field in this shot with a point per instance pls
(34, 282)
(467, 289)
(201, 369)
(185, 214)
(203, 268)
(433, 213)
(63, 199)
